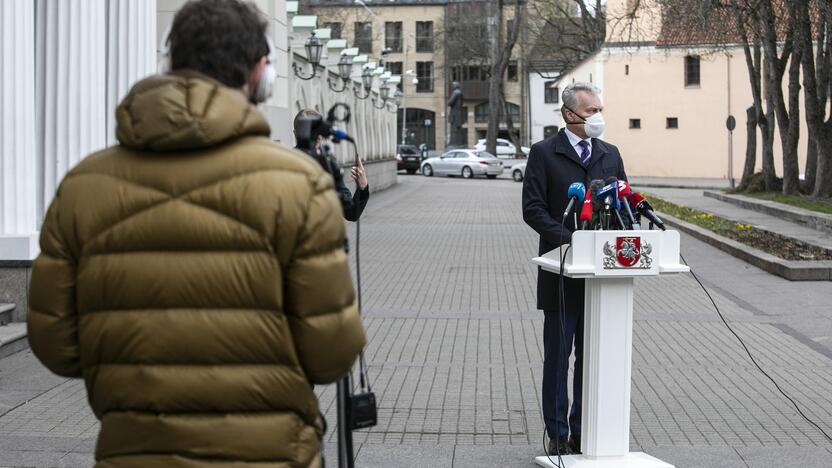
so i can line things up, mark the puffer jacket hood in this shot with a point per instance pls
(195, 278)
(183, 111)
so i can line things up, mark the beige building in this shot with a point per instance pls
(667, 95)
(414, 31)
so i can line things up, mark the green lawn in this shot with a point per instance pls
(775, 244)
(814, 204)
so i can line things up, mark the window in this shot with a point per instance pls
(635, 123)
(549, 130)
(626, 69)
(551, 95)
(364, 37)
(424, 72)
(424, 36)
(672, 122)
(691, 70)
(393, 36)
(465, 115)
(481, 113)
(335, 30)
(395, 68)
(514, 110)
(512, 70)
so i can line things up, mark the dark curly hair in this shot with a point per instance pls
(223, 39)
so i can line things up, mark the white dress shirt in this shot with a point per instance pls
(575, 141)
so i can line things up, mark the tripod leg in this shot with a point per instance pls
(345, 452)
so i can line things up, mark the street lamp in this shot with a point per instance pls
(366, 83)
(344, 72)
(313, 48)
(384, 94)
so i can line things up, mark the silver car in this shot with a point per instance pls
(465, 162)
(518, 171)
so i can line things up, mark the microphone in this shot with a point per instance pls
(615, 200)
(576, 192)
(595, 206)
(586, 210)
(611, 193)
(643, 207)
(338, 134)
(624, 191)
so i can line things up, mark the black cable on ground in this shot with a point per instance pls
(561, 317)
(782, 392)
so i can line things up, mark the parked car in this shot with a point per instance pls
(505, 148)
(465, 162)
(518, 171)
(408, 158)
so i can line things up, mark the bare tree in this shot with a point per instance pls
(817, 80)
(562, 33)
(500, 56)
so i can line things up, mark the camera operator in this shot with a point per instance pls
(353, 204)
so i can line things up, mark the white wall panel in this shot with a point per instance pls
(17, 129)
(72, 86)
(131, 51)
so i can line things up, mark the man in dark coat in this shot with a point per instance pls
(352, 204)
(575, 154)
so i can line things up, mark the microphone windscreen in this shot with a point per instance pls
(576, 190)
(624, 189)
(594, 185)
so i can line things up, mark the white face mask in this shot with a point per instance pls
(594, 125)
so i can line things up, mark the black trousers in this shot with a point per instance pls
(555, 370)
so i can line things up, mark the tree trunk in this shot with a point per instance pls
(808, 185)
(500, 55)
(775, 105)
(816, 86)
(495, 81)
(823, 179)
(767, 130)
(791, 168)
(750, 148)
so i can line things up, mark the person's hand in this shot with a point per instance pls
(358, 175)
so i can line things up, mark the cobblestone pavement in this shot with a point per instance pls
(455, 351)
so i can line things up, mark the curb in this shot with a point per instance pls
(789, 269)
(677, 186)
(13, 339)
(819, 221)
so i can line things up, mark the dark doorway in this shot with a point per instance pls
(421, 127)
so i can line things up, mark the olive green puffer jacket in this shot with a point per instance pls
(195, 277)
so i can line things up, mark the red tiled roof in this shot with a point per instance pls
(686, 23)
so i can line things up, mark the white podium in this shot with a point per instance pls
(609, 260)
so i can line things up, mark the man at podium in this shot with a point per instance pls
(575, 154)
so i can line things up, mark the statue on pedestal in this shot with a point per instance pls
(455, 117)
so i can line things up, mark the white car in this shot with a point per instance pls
(505, 148)
(518, 171)
(464, 162)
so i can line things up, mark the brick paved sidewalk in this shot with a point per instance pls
(455, 351)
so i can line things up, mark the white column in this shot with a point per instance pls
(18, 204)
(71, 86)
(608, 339)
(131, 51)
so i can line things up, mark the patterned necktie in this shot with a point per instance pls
(584, 152)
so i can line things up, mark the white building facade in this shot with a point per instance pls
(66, 64)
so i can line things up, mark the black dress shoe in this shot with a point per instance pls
(559, 447)
(575, 444)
